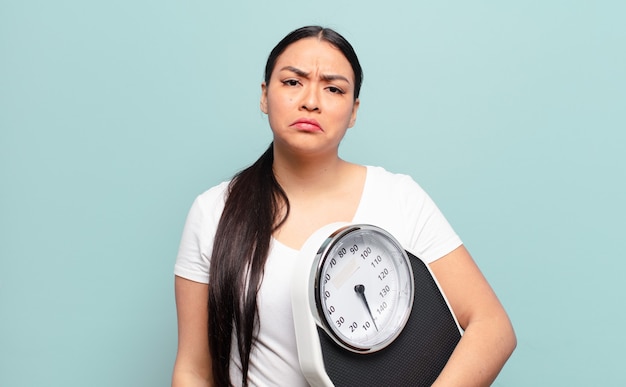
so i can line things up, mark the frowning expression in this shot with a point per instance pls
(310, 97)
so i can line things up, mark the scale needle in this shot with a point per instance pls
(360, 289)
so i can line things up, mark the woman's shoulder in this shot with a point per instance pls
(209, 204)
(381, 178)
(394, 191)
(215, 194)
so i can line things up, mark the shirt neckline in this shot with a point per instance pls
(355, 216)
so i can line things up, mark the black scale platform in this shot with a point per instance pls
(415, 358)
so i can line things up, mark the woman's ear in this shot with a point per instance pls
(355, 108)
(264, 97)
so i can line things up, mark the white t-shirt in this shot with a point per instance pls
(393, 202)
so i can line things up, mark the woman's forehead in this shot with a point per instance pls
(313, 54)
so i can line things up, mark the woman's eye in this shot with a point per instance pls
(335, 90)
(291, 82)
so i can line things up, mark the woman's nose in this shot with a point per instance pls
(310, 100)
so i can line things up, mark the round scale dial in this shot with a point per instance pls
(363, 287)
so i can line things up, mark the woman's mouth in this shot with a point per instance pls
(307, 125)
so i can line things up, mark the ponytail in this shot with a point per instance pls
(241, 245)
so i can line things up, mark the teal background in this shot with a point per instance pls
(115, 114)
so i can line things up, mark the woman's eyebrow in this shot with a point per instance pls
(297, 71)
(325, 77)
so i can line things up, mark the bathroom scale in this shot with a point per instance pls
(368, 312)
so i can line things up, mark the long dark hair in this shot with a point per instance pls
(255, 207)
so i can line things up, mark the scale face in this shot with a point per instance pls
(368, 312)
(363, 287)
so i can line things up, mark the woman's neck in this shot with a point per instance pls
(309, 174)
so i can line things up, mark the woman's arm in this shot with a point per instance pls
(489, 338)
(193, 362)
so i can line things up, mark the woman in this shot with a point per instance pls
(242, 237)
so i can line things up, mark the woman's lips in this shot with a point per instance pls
(307, 125)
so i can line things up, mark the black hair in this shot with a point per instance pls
(256, 206)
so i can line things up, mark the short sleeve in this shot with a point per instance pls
(398, 204)
(196, 244)
(432, 236)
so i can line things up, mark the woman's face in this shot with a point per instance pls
(310, 97)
